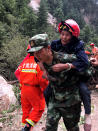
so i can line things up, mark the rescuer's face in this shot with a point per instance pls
(65, 37)
(42, 54)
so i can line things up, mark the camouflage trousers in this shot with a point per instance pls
(71, 117)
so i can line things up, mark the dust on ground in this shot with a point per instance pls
(12, 121)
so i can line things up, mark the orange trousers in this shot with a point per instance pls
(33, 103)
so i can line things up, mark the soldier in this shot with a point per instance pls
(65, 100)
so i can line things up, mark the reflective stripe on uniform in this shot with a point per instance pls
(30, 122)
(29, 70)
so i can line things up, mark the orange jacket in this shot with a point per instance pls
(17, 72)
(31, 75)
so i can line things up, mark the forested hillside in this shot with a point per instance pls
(77, 9)
(18, 22)
(85, 12)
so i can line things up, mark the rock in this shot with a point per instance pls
(7, 96)
(1, 125)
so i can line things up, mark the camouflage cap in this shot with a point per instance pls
(38, 42)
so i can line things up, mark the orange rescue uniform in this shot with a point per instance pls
(32, 87)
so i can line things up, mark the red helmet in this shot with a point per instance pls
(71, 26)
(92, 44)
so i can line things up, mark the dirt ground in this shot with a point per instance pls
(94, 114)
(12, 121)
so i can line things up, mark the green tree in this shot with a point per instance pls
(28, 23)
(42, 24)
(21, 6)
(56, 9)
(95, 40)
(11, 55)
(9, 5)
(87, 33)
(2, 32)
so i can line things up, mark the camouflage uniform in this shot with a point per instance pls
(65, 100)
